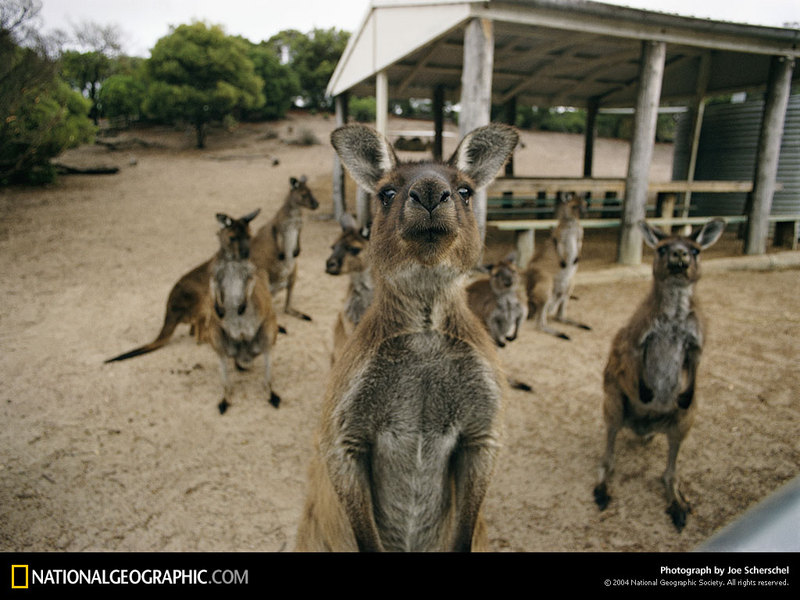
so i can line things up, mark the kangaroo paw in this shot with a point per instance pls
(274, 399)
(678, 513)
(601, 496)
(223, 406)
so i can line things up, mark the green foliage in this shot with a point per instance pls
(199, 74)
(85, 72)
(122, 96)
(41, 116)
(313, 58)
(362, 110)
(281, 84)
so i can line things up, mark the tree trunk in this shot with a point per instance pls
(200, 129)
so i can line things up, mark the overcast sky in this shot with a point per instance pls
(143, 22)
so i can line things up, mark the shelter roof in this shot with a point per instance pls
(554, 52)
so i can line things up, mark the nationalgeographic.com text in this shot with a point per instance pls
(137, 577)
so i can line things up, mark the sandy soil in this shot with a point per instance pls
(134, 456)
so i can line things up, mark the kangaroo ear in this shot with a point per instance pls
(483, 151)
(224, 220)
(249, 217)
(710, 233)
(652, 236)
(367, 155)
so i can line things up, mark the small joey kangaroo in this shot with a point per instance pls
(187, 298)
(649, 379)
(498, 301)
(412, 416)
(276, 245)
(550, 273)
(240, 321)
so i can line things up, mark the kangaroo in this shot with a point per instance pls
(349, 257)
(550, 273)
(497, 301)
(276, 245)
(240, 322)
(186, 299)
(412, 416)
(649, 379)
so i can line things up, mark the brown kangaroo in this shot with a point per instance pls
(498, 301)
(412, 416)
(550, 273)
(276, 245)
(650, 377)
(240, 322)
(187, 297)
(348, 256)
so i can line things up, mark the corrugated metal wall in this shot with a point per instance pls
(727, 151)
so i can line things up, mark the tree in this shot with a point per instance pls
(122, 96)
(40, 116)
(201, 75)
(313, 57)
(281, 84)
(86, 69)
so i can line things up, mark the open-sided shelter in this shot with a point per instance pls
(572, 53)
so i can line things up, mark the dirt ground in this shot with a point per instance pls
(134, 456)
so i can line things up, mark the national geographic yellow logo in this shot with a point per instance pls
(19, 577)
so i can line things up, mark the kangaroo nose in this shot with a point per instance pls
(429, 193)
(680, 254)
(332, 266)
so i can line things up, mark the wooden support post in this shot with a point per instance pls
(525, 242)
(698, 110)
(641, 153)
(381, 102)
(590, 134)
(666, 204)
(438, 122)
(510, 118)
(339, 192)
(476, 92)
(769, 147)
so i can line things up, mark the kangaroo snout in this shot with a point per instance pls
(429, 193)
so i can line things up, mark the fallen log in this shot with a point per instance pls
(100, 170)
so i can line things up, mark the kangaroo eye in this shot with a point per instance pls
(354, 251)
(465, 193)
(387, 195)
(662, 250)
(695, 251)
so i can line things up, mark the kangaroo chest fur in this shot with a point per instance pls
(674, 332)
(288, 240)
(507, 311)
(416, 403)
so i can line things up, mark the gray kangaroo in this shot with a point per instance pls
(650, 377)
(187, 297)
(498, 301)
(276, 245)
(240, 322)
(550, 273)
(348, 256)
(412, 416)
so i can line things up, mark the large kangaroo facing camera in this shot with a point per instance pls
(411, 420)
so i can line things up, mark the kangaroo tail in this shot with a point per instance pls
(170, 323)
(154, 345)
